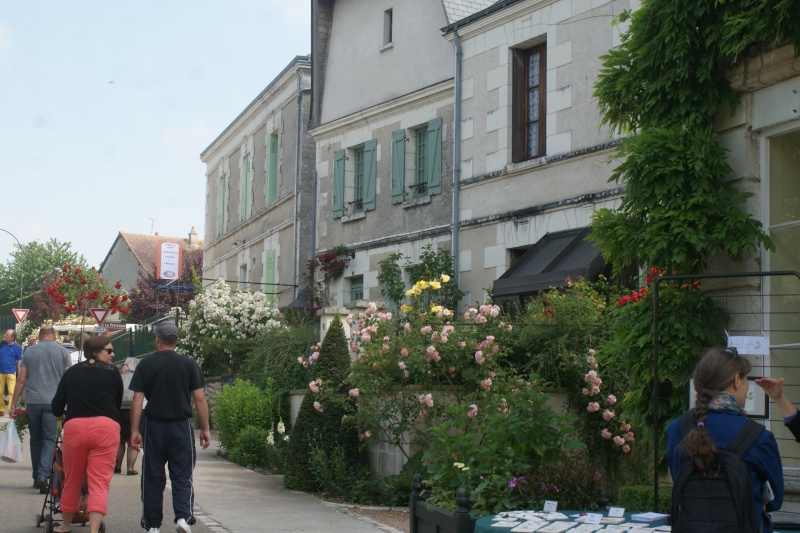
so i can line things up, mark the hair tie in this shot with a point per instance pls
(701, 425)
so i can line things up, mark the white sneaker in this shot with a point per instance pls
(182, 527)
(151, 530)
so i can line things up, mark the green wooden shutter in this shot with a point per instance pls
(370, 173)
(269, 271)
(398, 166)
(220, 205)
(272, 175)
(248, 186)
(338, 183)
(433, 156)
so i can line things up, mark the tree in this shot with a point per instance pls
(35, 261)
(149, 300)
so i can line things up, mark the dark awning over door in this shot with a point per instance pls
(549, 263)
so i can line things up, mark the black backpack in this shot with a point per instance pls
(719, 500)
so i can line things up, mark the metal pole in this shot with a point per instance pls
(21, 263)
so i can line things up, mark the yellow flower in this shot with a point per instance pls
(421, 285)
(406, 308)
(435, 285)
(445, 278)
(436, 308)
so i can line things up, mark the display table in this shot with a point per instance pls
(485, 524)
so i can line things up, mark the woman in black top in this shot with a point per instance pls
(90, 394)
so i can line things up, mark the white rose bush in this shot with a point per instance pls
(223, 325)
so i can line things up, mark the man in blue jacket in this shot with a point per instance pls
(10, 356)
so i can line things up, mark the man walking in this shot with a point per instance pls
(169, 381)
(41, 370)
(10, 356)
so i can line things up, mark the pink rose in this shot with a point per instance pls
(608, 415)
(611, 399)
(401, 365)
(318, 406)
(626, 448)
(473, 410)
(353, 392)
(404, 352)
(606, 434)
(479, 357)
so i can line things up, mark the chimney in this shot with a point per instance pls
(193, 237)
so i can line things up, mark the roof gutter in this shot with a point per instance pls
(457, 157)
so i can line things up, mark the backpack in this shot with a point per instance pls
(721, 499)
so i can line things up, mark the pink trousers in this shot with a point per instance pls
(89, 449)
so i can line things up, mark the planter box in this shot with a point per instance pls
(427, 518)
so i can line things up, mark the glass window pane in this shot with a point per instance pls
(533, 70)
(533, 139)
(784, 160)
(533, 105)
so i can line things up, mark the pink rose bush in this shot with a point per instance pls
(620, 434)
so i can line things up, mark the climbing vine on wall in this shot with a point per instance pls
(662, 88)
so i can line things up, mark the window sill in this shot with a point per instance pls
(353, 217)
(522, 165)
(414, 202)
(386, 46)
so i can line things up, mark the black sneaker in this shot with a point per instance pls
(41, 484)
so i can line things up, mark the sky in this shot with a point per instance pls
(106, 105)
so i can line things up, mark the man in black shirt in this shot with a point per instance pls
(169, 381)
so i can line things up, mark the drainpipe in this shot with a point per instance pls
(456, 156)
(299, 128)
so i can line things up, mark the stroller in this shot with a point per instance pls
(52, 500)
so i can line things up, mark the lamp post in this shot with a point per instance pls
(21, 263)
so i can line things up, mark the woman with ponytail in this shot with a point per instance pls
(721, 386)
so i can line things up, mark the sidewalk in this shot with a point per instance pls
(228, 499)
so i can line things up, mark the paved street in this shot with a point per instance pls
(229, 499)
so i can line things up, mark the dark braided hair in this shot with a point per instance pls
(715, 372)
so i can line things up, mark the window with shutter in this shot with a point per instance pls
(338, 183)
(269, 272)
(272, 170)
(370, 173)
(398, 166)
(247, 187)
(222, 205)
(433, 156)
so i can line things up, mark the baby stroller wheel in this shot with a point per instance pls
(102, 527)
(49, 525)
(39, 520)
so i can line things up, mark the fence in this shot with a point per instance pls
(139, 340)
(763, 308)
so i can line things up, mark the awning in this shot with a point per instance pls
(549, 263)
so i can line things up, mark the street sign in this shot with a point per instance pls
(99, 314)
(20, 314)
(99, 329)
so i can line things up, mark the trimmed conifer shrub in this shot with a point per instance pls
(321, 427)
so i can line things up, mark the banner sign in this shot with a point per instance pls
(169, 261)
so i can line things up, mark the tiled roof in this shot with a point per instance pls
(460, 9)
(145, 247)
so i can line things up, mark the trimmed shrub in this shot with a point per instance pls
(318, 425)
(251, 448)
(238, 406)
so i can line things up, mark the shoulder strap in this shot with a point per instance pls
(746, 437)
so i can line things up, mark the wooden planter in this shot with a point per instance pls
(427, 518)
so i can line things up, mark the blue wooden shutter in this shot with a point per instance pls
(338, 183)
(398, 165)
(370, 173)
(433, 156)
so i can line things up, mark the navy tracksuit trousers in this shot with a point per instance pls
(170, 443)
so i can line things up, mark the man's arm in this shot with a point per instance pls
(136, 416)
(22, 380)
(201, 406)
